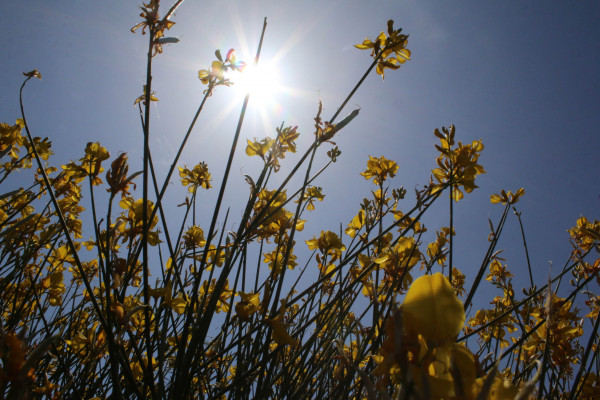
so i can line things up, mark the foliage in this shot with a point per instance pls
(383, 318)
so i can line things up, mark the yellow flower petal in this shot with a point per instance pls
(432, 309)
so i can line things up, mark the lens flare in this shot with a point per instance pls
(261, 81)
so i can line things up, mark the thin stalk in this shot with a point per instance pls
(200, 331)
(149, 373)
(589, 369)
(525, 301)
(175, 160)
(105, 270)
(584, 360)
(59, 213)
(487, 257)
(451, 250)
(377, 269)
(518, 214)
(67, 234)
(288, 247)
(358, 84)
(163, 217)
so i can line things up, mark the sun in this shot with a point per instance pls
(262, 82)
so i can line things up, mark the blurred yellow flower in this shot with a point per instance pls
(432, 309)
(248, 305)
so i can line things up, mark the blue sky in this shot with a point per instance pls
(521, 76)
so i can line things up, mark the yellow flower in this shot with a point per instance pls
(207, 289)
(94, 155)
(356, 224)
(197, 177)
(136, 367)
(134, 219)
(328, 244)
(216, 74)
(117, 177)
(275, 259)
(177, 303)
(501, 389)
(432, 309)
(279, 332)
(394, 48)
(379, 169)
(312, 193)
(11, 138)
(194, 237)
(505, 197)
(142, 98)
(248, 305)
(93, 338)
(259, 147)
(458, 166)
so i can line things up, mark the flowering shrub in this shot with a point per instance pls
(383, 317)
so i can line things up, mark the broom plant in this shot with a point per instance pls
(377, 311)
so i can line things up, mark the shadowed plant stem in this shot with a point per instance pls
(70, 243)
(576, 390)
(175, 161)
(148, 370)
(199, 333)
(451, 251)
(518, 214)
(487, 258)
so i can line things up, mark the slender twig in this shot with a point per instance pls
(518, 214)
(67, 233)
(202, 326)
(58, 211)
(148, 370)
(487, 257)
(584, 359)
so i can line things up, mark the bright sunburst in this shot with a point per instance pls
(262, 81)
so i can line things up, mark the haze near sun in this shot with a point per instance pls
(262, 81)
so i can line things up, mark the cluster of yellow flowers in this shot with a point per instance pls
(90, 324)
(388, 50)
(421, 352)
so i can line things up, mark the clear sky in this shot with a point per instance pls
(521, 76)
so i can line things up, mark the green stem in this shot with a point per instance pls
(149, 373)
(181, 390)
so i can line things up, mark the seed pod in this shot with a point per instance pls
(327, 135)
